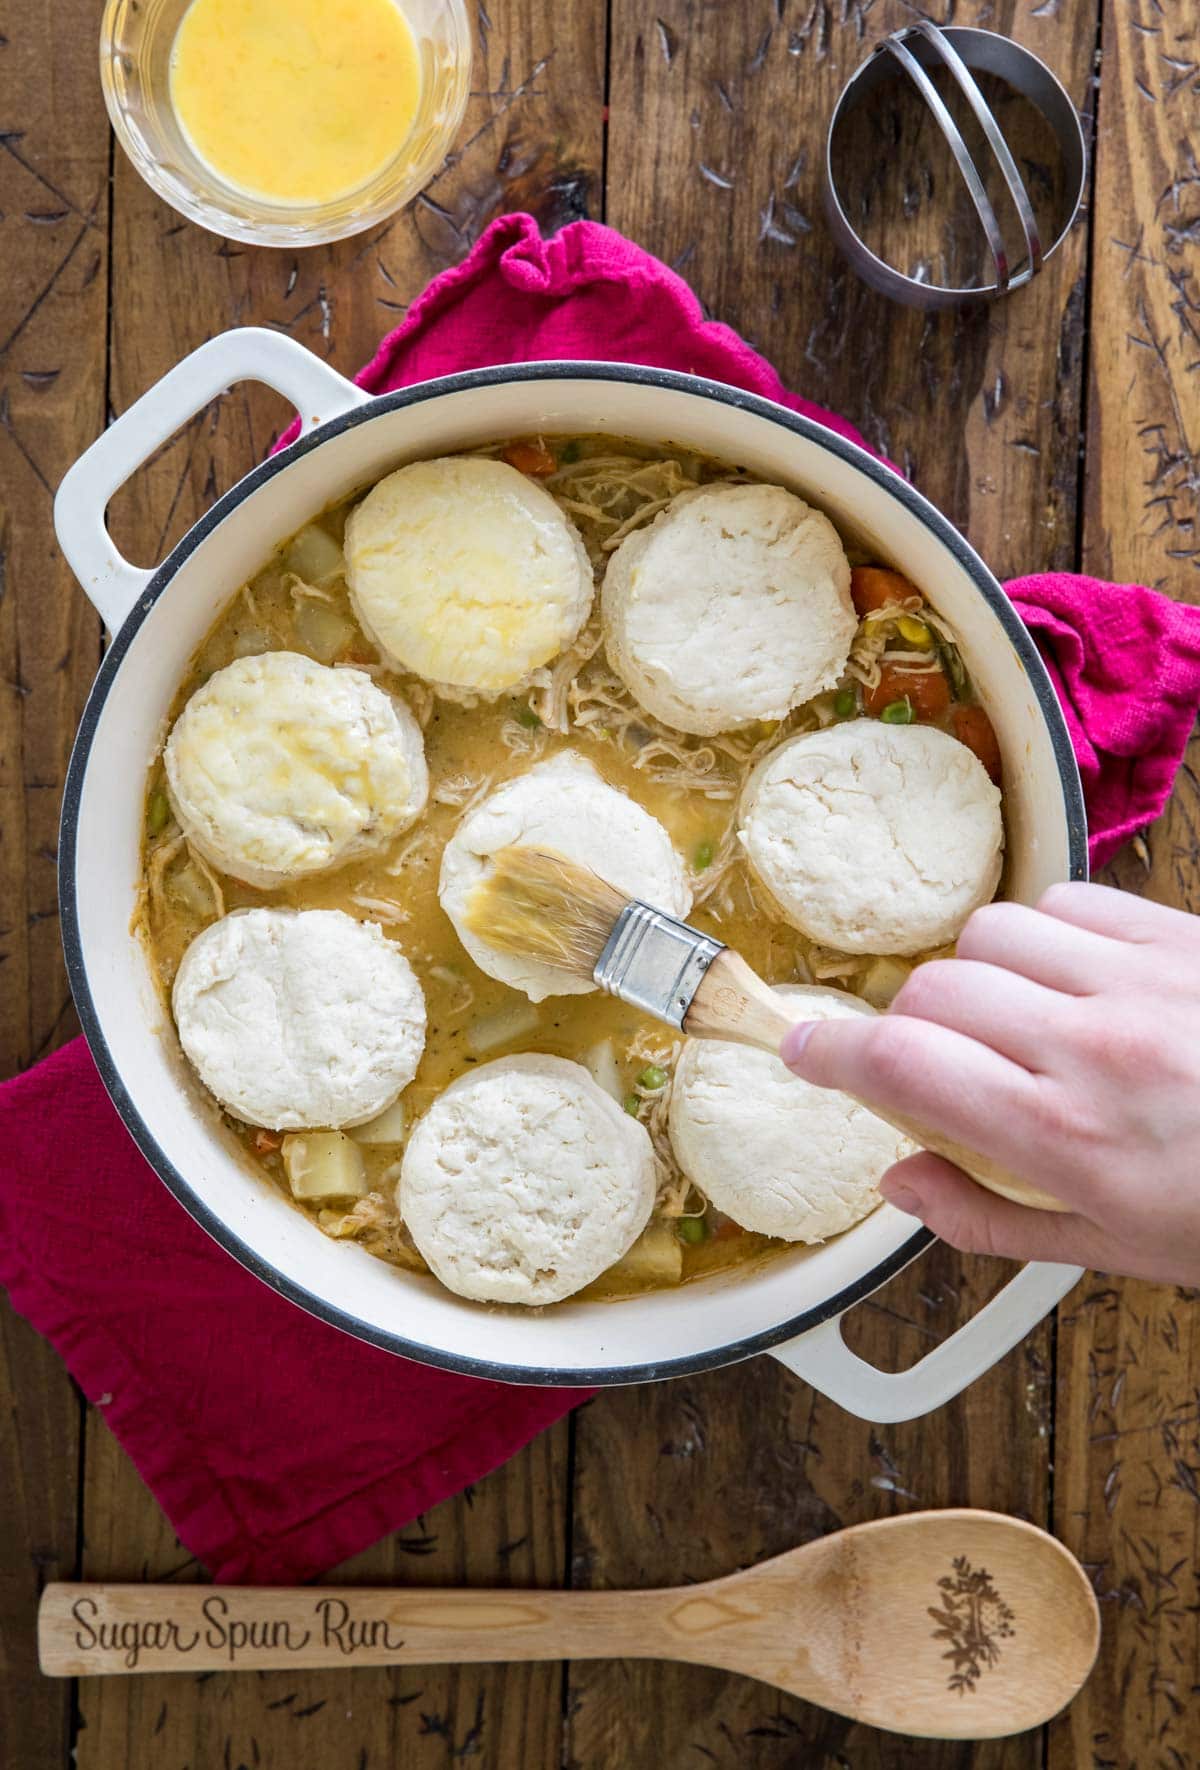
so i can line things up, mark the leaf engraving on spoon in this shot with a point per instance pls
(974, 1619)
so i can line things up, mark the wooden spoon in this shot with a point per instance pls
(940, 1625)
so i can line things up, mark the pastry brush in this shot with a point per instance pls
(541, 905)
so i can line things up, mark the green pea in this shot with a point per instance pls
(692, 1229)
(652, 1077)
(703, 857)
(157, 813)
(898, 712)
(569, 455)
(845, 702)
(528, 718)
(632, 1105)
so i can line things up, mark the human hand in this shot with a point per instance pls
(1064, 1042)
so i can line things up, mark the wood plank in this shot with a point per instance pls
(54, 197)
(724, 110)
(533, 137)
(1128, 1442)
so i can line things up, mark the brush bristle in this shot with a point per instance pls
(542, 906)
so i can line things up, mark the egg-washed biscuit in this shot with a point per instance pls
(279, 767)
(564, 805)
(467, 573)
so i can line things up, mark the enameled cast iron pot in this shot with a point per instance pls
(793, 1305)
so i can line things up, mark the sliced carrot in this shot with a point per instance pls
(267, 1142)
(973, 728)
(531, 458)
(728, 1230)
(927, 690)
(876, 586)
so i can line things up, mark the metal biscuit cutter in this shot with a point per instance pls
(963, 51)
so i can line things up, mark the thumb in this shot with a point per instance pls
(977, 1221)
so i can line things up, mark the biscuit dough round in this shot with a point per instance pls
(525, 1181)
(775, 1153)
(562, 804)
(299, 1019)
(467, 573)
(874, 838)
(732, 605)
(279, 767)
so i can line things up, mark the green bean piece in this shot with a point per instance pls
(898, 712)
(157, 813)
(569, 455)
(652, 1077)
(528, 718)
(703, 857)
(845, 702)
(692, 1229)
(632, 1105)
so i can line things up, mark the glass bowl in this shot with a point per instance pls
(136, 37)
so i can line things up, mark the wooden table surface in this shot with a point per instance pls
(1059, 429)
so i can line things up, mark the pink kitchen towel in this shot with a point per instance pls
(277, 1445)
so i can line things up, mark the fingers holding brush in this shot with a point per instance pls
(919, 1073)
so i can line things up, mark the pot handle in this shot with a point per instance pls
(824, 1360)
(248, 353)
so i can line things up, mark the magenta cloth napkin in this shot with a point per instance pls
(276, 1445)
(1125, 664)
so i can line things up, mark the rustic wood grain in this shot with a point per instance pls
(716, 124)
(1127, 1494)
(533, 136)
(54, 200)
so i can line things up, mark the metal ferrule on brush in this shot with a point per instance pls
(654, 962)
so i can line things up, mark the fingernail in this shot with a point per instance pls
(794, 1041)
(902, 1197)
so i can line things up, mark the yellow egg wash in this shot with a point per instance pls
(295, 101)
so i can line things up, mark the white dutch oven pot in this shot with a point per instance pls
(793, 1306)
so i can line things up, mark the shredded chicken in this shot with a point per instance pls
(650, 1048)
(463, 994)
(419, 848)
(522, 740)
(602, 707)
(298, 590)
(824, 963)
(710, 883)
(456, 789)
(550, 686)
(382, 908)
(866, 650)
(210, 879)
(612, 495)
(420, 698)
(375, 1223)
(157, 862)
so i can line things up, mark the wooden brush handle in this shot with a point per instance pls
(93, 1630)
(734, 1003)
